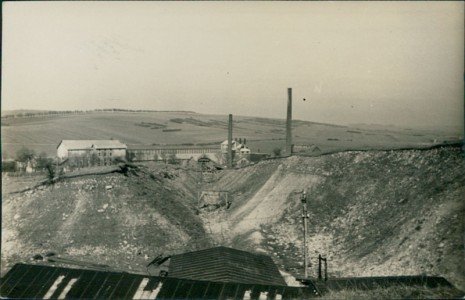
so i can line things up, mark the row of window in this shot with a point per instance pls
(105, 162)
(175, 151)
(104, 153)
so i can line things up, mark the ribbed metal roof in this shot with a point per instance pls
(47, 282)
(225, 265)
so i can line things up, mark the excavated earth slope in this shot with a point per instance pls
(371, 213)
(122, 221)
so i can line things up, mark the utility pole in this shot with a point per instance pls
(303, 198)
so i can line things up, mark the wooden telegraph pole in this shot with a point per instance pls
(305, 217)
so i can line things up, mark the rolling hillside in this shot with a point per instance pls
(263, 135)
(371, 213)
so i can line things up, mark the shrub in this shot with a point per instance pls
(25, 154)
(277, 151)
(51, 172)
(130, 156)
(43, 161)
(172, 159)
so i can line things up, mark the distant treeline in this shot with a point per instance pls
(73, 112)
(188, 144)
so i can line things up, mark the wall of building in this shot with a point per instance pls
(93, 157)
(107, 156)
(74, 153)
(62, 151)
(119, 152)
(186, 153)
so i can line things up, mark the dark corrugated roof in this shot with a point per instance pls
(225, 265)
(39, 281)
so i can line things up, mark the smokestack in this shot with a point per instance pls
(289, 122)
(230, 141)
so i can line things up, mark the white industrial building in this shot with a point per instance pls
(236, 147)
(105, 150)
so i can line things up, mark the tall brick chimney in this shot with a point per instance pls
(289, 123)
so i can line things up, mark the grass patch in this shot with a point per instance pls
(396, 292)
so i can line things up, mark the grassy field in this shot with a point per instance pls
(263, 135)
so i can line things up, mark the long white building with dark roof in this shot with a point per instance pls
(105, 150)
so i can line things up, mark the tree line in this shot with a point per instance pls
(70, 112)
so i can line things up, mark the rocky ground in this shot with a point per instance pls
(371, 213)
(120, 220)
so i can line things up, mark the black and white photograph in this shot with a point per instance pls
(265, 150)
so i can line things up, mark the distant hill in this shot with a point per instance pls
(456, 130)
(21, 111)
(38, 113)
(42, 133)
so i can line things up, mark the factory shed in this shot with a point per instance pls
(226, 265)
(48, 282)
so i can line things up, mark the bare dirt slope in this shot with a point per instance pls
(119, 220)
(371, 213)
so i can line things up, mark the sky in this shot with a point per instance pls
(399, 63)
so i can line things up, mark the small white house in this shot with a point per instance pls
(236, 147)
(105, 150)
